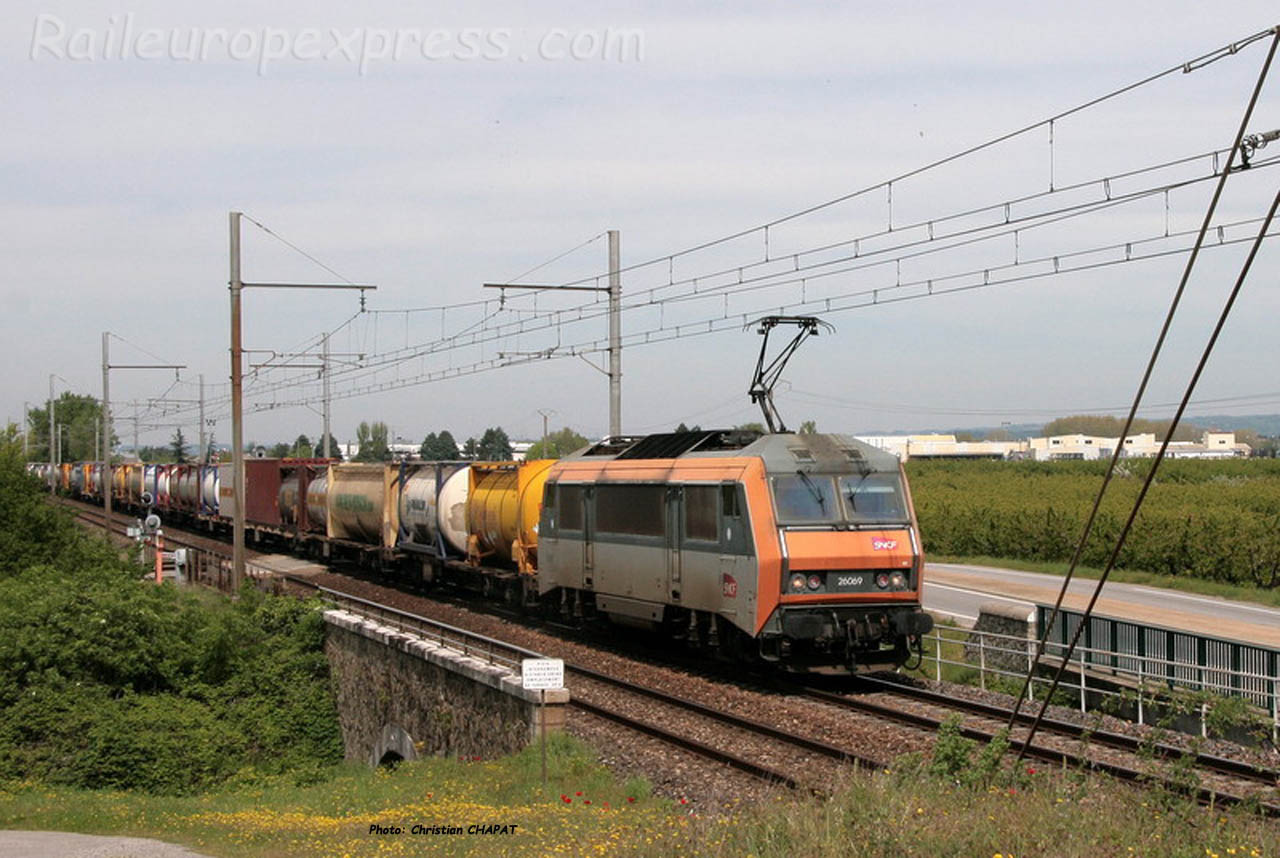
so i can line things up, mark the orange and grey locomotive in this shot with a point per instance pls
(801, 549)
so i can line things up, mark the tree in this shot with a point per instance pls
(334, 450)
(279, 450)
(494, 445)
(750, 427)
(438, 448)
(81, 420)
(683, 428)
(178, 448)
(809, 427)
(471, 449)
(557, 444)
(1109, 427)
(371, 439)
(302, 448)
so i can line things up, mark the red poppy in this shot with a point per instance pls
(631, 799)
(579, 792)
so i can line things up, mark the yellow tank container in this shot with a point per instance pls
(503, 507)
(133, 482)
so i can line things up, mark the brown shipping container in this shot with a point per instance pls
(261, 488)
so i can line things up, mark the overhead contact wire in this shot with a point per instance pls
(1137, 401)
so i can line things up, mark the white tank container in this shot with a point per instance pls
(451, 512)
(209, 488)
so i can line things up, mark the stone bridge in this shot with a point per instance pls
(401, 696)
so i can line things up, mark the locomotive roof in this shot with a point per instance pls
(784, 451)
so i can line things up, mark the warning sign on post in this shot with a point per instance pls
(542, 673)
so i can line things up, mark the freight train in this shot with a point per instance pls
(801, 550)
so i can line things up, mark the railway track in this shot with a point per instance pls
(790, 757)
(1120, 741)
(1219, 781)
(120, 523)
(704, 728)
(1228, 782)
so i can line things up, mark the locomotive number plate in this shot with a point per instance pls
(850, 582)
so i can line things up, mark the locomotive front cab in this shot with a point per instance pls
(849, 589)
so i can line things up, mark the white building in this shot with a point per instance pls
(1212, 445)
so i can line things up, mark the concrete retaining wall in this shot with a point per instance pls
(400, 696)
(1002, 618)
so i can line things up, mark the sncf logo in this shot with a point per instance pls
(883, 544)
(730, 586)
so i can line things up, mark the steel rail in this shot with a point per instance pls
(1203, 795)
(756, 770)
(1120, 741)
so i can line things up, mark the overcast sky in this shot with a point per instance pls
(533, 128)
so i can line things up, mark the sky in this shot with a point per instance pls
(430, 148)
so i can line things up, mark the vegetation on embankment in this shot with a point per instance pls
(1216, 521)
(107, 680)
(962, 803)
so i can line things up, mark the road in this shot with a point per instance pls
(958, 591)
(30, 844)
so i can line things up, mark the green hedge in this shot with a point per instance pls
(107, 680)
(1217, 520)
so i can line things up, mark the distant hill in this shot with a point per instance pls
(1263, 424)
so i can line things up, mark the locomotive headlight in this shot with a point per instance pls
(797, 583)
(899, 581)
(815, 581)
(882, 581)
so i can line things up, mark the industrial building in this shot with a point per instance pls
(1212, 445)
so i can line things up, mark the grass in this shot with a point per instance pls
(1187, 584)
(585, 810)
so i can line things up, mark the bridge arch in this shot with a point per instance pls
(394, 744)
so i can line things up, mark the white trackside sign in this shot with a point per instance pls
(542, 673)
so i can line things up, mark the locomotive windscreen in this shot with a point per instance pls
(873, 498)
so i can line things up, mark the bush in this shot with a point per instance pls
(107, 680)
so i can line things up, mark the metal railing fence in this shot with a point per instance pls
(1146, 677)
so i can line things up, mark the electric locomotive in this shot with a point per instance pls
(800, 549)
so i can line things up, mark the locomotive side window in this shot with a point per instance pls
(632, 510)
(550, 519)
(700, 513)
(729, 501)
(737, 532)
(570, 517)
